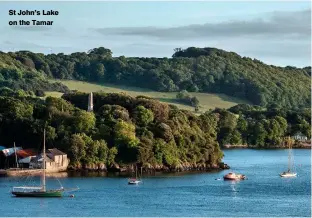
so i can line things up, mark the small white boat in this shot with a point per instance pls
(289, 172)
(233, 176)
(133, 181)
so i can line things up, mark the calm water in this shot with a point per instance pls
(263, 194)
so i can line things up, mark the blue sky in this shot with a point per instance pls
(275, 32)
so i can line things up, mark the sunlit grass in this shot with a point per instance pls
(207, 101)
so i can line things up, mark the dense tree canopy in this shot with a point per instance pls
(132, 130)
(18, 71)
(193, 69)
(261, 127)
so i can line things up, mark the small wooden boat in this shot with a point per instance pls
(233, 176)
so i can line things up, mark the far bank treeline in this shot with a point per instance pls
(126, 130)
(193, 69)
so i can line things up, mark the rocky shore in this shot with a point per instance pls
(149, 168)
(116, 168)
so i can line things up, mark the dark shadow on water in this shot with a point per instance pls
(127, 174)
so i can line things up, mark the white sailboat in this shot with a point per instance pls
(290, 172)
(134, 181)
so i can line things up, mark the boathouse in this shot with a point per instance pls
(56, 161)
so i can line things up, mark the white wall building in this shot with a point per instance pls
(299, 137)
(56, 161)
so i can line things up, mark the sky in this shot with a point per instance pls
(277, 33)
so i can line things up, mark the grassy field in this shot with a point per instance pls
(207, 101)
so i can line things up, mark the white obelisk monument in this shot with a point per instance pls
(90, 102)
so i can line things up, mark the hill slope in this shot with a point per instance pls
(207, 70)
(207, 101)
(16, 73)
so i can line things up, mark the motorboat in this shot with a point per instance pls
(234, 176)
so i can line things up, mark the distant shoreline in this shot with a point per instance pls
(265, 148)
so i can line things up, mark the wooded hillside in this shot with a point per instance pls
(194, 69)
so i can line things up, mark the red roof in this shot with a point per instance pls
(26, 153)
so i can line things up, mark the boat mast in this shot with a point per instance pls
(43, 160)
(15, 156)
(141, 172)
(289, 153)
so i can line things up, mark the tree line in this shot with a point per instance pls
(124, 129)
(261, 127)
(193, 69)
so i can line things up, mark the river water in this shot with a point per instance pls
(194, 194)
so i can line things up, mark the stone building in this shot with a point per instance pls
(56, 161)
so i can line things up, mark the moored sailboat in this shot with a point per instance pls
(134, 181)
(39, 191)
(290, 172)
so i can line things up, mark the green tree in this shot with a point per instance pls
(143, 116)
(103, 151)
(111, 155)
(125, 134)
(15, 108)
(83, 121)
(78, 147)
(260, 134)
(50, 134)
(235, 138)
(242, 127)
(98, 71)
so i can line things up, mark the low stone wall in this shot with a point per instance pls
(22, 172)
(29, 172)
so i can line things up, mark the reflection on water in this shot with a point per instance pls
(128, 174)
(57, 175)
(234, 186)
(87, 174)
